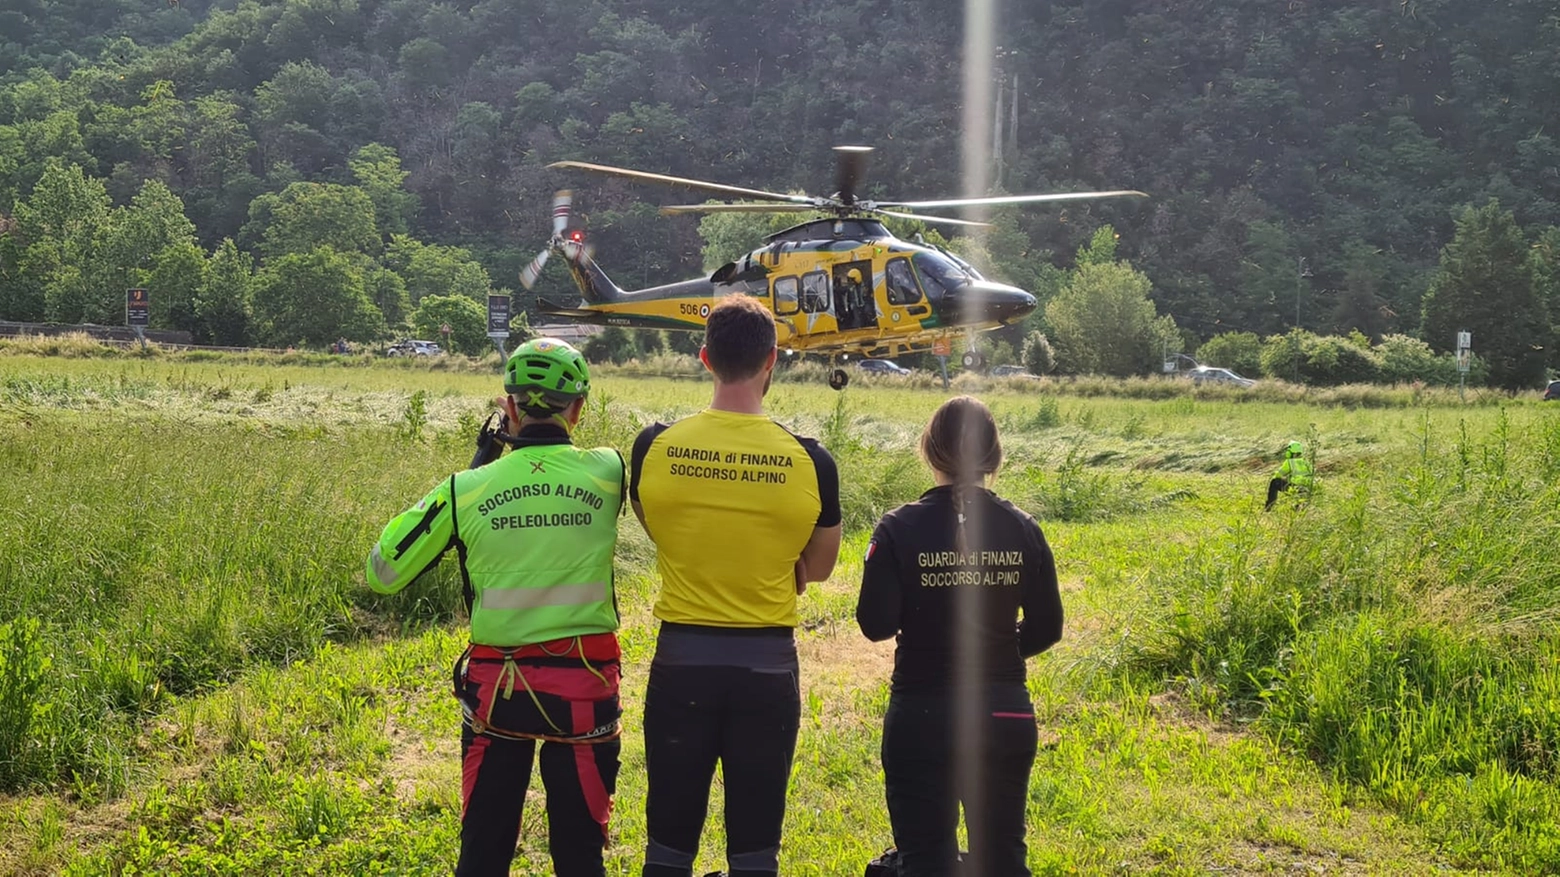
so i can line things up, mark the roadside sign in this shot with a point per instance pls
(942, 347)
(138, 309)
(498, 317)
(1463, 360)
(1464, 340)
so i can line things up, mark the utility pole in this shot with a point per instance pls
(1301, 273)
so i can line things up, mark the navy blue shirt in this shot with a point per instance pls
(949, 574)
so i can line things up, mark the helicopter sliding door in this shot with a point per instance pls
(855, 306)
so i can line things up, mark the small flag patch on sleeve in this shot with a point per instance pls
(871, 547)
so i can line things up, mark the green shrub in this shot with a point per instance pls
(1039, 358)
(1240, 352)
(1322, 360)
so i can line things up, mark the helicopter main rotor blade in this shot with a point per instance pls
(943, 220)
(1014, 199)
(852, 161)
(679, 209)
(719, 188)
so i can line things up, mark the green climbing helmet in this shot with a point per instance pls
(545, 376)
(1294, 449)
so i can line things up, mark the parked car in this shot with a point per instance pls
(1012, 371)
(414, 348)
(1207, 374)
(881, 367)
(1552, 391)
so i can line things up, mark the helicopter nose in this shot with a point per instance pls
(981, 301)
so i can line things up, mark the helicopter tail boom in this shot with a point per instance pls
(595, 286)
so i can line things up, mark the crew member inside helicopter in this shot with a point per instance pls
(853, 300)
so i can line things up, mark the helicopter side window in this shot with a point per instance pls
(785, 295)
(815, 292)
(901, 283)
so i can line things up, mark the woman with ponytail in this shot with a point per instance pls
(950, 574)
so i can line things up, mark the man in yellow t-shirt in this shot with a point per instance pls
(743, 514)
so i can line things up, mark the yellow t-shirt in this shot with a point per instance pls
(731, 500)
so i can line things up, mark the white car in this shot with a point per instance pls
(414, 348)
(1207, 374)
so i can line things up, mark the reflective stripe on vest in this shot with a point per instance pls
(539, 527)
(551, 595)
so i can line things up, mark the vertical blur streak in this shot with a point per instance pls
(980, 26)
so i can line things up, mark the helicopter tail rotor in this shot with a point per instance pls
(530, 272)
(562, 201)
(572, 246)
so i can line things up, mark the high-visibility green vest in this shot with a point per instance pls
(1297, 471)
(535, 531)
(538, 528)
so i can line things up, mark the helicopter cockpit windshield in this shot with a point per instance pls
(968, 268)
(939, 274)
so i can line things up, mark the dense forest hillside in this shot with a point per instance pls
(1308, 156)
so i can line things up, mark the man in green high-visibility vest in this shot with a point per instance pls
(535, 531)
(1295, 473)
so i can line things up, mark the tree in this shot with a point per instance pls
(56, 230)
(306, 216)
(611, 344)
(129, 246)
(1272, 280)
(1360, 305)
(1486, 286)
(467, 321)
(1105, 323)
(1101, 248)
(178, 273)
(430, 269)
(82, 255)
(223, 302)
(292, 109)
(387, 291)
(1240, 352)
(1038, 357)
(314, 298)
(729, 236)
(21, 298)
(377, 170)
(1546, 279)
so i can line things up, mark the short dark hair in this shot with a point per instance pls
(738, 337)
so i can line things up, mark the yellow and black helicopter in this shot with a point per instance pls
(838, 285)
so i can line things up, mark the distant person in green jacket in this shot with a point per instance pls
(534, 531)
(1295, 473)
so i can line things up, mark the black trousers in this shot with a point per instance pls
(497, 772)
(1275, 487)
(928, 772)
(746, 720)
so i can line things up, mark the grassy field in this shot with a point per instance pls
(195, 680)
